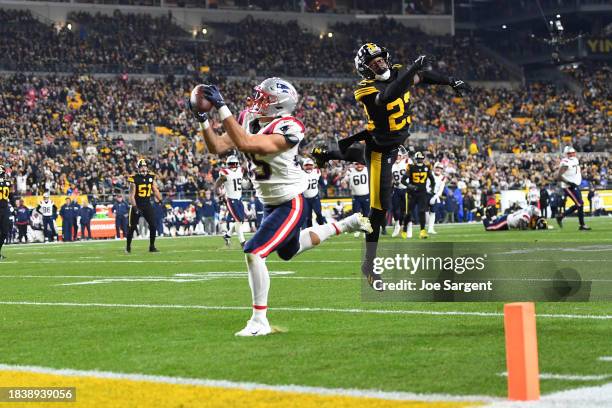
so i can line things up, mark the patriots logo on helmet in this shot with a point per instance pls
(284, 88)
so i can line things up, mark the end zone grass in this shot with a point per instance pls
(93, 308)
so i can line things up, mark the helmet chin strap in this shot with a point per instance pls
(384, 76)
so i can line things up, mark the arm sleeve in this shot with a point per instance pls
(396, 88)
(434, 78)
(432, 180)
(406, 178)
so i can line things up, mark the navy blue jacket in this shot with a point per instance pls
(86, 214)
(209, 208)
(67, 213)
(120, 209)
(23, 216)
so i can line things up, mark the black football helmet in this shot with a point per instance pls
(142, 166)
(366, 53)
(541, 224)
(2, 172)
(419, 158)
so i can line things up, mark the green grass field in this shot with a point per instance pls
(175, 313)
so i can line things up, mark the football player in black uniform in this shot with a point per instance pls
(385, 95)
(5, 196)
(415, 180)
(142, 185)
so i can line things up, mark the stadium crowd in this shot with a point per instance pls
(141, 43)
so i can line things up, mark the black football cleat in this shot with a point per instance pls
(128, 251)
(584, 228)
(153, 249)
(319, 154)
(559, 219)
(2, 257)
(371, 277)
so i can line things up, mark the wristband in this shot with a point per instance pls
(224, 112)
(204, 125)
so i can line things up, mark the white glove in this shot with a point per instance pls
(434, 200)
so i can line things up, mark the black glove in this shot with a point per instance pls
(421, 62)
(211, 92)
(200, 116)
(411, 188)
(460, 87)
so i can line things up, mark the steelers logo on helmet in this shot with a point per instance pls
(142, 166)
(379, 70)
(419, 158)
(541, 224)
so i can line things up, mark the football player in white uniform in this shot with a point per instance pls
(357, 179)
(398, 200)
(525, 218)
(533, 196)
(570, 177)
(435, 195)
(230, 177)
(269, 135)
(313, 179)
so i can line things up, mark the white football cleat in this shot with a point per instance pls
(396, 230)
(409, 232)
(431, 231)
(255, 327)
(356, 223)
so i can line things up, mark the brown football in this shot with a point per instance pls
(198, 102)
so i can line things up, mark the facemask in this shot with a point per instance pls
(384, 76)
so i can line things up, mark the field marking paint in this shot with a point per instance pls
(251, 386)
(301, 309)
(569, 377)
(605, 358)
(584, 397)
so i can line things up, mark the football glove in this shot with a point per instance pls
(460, 87)
(421, 62)
(434, 200)
(200, 117)
(211, 92)
(411, 188)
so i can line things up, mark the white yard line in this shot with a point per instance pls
(249, 386)
(569, 377)
(605, 358)
(300, 309)
(585, 397)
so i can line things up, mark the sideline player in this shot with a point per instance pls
(398, 201)
(5, 197)
(269, 136)
(357, 179)
(311, 194)
(525, 218)
(142, 186)
(416, 178)
(570, 177)
(231, 178)
(435, 195)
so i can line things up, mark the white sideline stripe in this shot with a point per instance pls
(300, 309)
(178, 275)
(166, 261)
(605, 358)
(569, 377)
(583, 397)
(250, 386)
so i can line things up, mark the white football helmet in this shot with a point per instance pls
(568, 149)
(274, 97)
(309, 163)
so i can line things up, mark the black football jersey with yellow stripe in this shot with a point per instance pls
(388, 124)
(417, 175)
(144, 187)
(5, 193)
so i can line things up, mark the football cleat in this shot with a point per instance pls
(128, 251)
(319, 154)
(255, 327)
(396, 230)
(2, 257)
(371, 277)
(356, 223)
(404, 235)
(423, 234)
(153, 249)
(228, 239)
(431, 231)
(584, 228)
(559, 219)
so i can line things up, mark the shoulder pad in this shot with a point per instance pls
(130, 179)
(366, 82)
(396, 66)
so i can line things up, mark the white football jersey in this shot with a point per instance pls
(440, 184)
(233, 183)
(523, 216)
(46, 208)
(312, 179)
(278, 177)
(572, 173)
(397, 171)
(358, 181)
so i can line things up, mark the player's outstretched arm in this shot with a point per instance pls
(273, 143)
(132, 195)
(157, 194)
(431, 77)
(405, 79)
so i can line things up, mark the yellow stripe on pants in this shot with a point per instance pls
(374, 170)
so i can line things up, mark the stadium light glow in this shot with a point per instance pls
(69, 26)
(204, 31)
(504, 26)
(330, 35)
